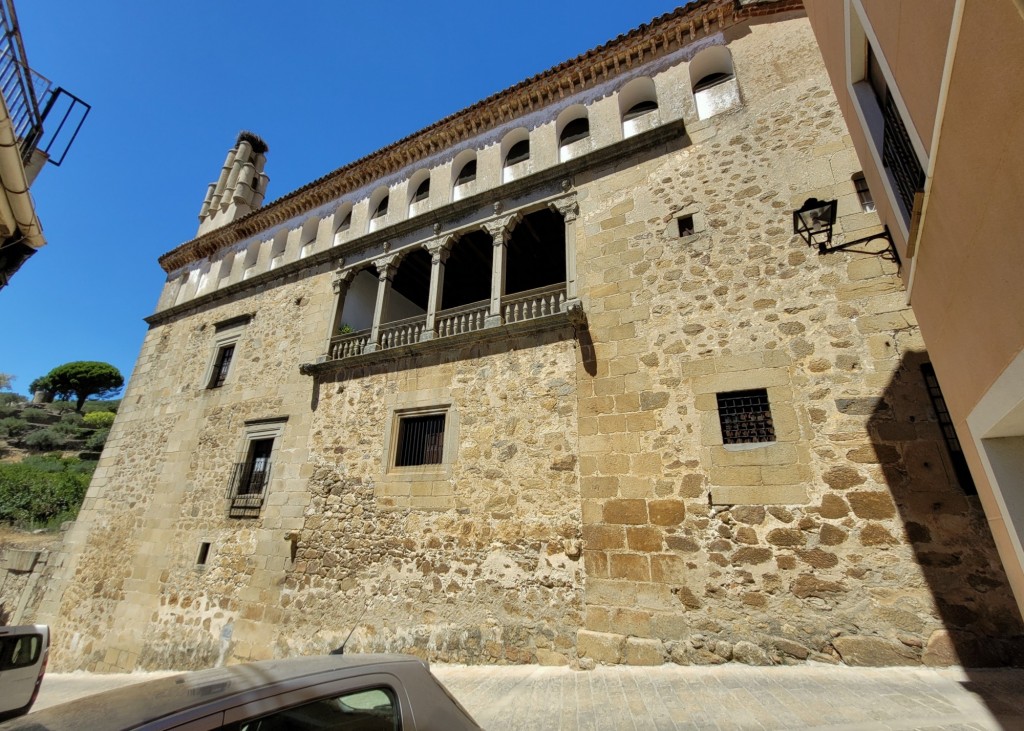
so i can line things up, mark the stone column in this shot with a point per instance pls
(386, 267)
(342, 281)
(500, 230)
(439, 250)
(569, 210)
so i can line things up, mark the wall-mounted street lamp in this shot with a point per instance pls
(814, 220)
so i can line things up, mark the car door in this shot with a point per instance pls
(23, 654)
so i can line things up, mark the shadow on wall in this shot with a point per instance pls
(945, 527)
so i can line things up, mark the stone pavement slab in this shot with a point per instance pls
(726, 697)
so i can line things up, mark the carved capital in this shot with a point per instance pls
(342, 280)
(568, 208)
(440, 248)
(501, 228)
(386, 266)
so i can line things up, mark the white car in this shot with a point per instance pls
(23, 654)
(351, 692)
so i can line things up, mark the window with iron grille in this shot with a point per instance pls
(222, 365)
(420, 440)
(956, 454)
(746, 417)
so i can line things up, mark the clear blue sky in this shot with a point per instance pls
(171, 84)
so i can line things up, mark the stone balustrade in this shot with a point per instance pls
(462, 319)
(534, 303)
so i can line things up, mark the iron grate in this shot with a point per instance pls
(746, 417)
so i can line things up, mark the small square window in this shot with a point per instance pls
(420, 440)
(222, 365)
(745, 417)
(686, 227)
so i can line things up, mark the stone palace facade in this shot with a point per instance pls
(550, 381)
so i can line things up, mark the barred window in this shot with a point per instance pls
(867, 202)
(420, 440)
(222, 366)
(956, 454)
(746, 417)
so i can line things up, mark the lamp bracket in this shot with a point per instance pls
(889, 253)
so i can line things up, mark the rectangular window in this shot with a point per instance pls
(420, 440)
(250, 476)
(956, 454)
(745, 417)
(867, 203)
(204, 553)
(685, 225)
(221, 366)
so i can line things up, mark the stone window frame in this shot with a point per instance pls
(255, 430)
(425, 487)
(226, 334)
(760, 473)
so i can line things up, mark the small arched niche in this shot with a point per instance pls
(464, 175)
(308, 237)
(638, 106)
(378, 207)
(573, 128)
(342, 222)
(515, 155)
(713, 81)
(419, 192)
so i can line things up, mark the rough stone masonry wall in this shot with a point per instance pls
(847, 538)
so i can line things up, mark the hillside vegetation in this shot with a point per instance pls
(48, 453)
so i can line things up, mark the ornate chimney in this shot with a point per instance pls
(240, 188)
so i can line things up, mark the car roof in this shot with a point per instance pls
(148, 701)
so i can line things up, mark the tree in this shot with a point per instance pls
(5, 381)
(82, 379)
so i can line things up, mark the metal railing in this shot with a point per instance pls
(247, 489)
(31, 98)
(534, 303)
(898, 155)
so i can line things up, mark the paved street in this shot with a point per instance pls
(724, 697)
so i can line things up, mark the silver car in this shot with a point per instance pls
(352, 692)
(23, 653)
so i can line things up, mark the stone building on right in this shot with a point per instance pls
(933, 94)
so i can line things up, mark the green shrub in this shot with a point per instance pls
(12, 426)
(100, 405)
(50, 438)
(12, 399)
(71, 417)
(97, 440)
(99, 419)
(9, 410)
(42, 490)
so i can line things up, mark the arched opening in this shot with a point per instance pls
(419, 197)
(378, 208)
(638, 106)
(404, 318)
(713, 81)
(536, 252)
(464, 174)
(252, 254)
(226, 264)
(308, 237)
(573, 132)
(342, 222)
(466, 294)
(515, 155)
(354, 316)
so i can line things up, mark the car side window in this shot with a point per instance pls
(375, 709)
(19, 652)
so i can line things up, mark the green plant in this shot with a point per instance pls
(344, 329)
(99, 419)
(101, 405)
(49, 438)
(71, 417)
(43, 490)
(12, 426)
(12, 399)
(97, 440)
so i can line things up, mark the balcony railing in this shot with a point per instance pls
(516, 308)
(534, 303)
(247, 489)
(462, 319)
(345, 346)
(402, 332)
